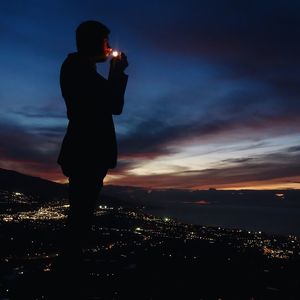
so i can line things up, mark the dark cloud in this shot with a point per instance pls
(54, 134)
(27, 152)
(47, 111)
(274, 167)
(294, 149)
(152, 138)
(248, 39)
(238, 160)
(51, 114)
(265, 167)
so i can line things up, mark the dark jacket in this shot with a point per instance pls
(91, 100)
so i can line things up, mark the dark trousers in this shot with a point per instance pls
(84, 189)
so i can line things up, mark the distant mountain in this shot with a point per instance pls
(17, 182)
(156, 198)
(47, 190)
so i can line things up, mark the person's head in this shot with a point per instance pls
(92, 40)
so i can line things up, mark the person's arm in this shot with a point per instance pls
(117, 82)
(88, 94)
(117, 86)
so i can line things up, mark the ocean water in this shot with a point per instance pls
(272, 220)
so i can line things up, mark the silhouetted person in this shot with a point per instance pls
(89, 147)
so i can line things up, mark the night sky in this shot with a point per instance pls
(213, 96)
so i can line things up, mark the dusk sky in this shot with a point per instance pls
(213, 97)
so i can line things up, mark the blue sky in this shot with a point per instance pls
(213, 97)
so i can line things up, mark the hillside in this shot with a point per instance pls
(16, 182)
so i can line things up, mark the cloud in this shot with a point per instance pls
(23, 151)
(238, 160)
(153, 138)
(294, 149)
(251, 90)
(255, 40)
(49, 110)
(48, 121)
(279, 167)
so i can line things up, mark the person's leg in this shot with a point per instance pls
(84, 189)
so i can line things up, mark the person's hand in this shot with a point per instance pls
(119, 64)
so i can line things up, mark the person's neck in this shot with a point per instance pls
(91, 59)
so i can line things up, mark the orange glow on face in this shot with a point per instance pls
(106, 47)
(112, 52)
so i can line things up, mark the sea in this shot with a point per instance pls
(272, 220)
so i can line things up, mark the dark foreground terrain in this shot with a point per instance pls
(132, 255)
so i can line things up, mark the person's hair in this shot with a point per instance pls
(89, 36)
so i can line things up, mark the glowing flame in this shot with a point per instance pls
(115, 53)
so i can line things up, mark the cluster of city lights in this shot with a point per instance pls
(150, 227)
(56, 212)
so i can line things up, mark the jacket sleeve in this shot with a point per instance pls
(106, 95)
(88, 94)
(117, 85)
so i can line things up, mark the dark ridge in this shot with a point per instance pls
(16, 182)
